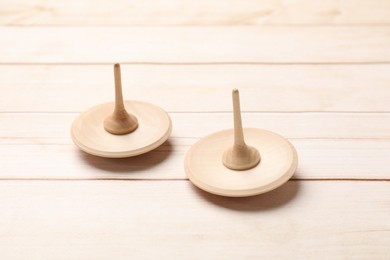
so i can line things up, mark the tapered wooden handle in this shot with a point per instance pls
(119, 106)
(238, 131)
(119, 122)
(239, 156)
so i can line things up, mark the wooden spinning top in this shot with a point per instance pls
(222, 163)
(109, 130)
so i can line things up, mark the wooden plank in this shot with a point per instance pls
(238, 44)
(101, 220)
(318, 159)
(335, 146)
(185, 88)
(339, 146)
(49, 128)
(186, 12)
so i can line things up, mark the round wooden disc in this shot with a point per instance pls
(154, 128)
(204, 167)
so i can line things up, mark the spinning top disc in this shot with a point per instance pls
(154, 128)
(209, 165)
(204, 167)
(108, 130)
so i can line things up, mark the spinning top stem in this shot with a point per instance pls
(120, 122)
(238, 131)
(240, 156)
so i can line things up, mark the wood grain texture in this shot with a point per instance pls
(186, 125)
(318, 159)
(203, 88)
(113, 219)
(315, 72)
(237, 44)
(186, 12)
(325, 143)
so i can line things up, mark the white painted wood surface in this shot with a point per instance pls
(201, 12)
(354, 87)
(316, 72)
(173, 219)
(195, 44)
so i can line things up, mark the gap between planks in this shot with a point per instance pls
(226, 63)
(181, 179)
(249, 112)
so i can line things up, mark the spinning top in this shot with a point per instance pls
(240, 162)
(121, 128)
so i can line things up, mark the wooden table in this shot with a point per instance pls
(317, 72)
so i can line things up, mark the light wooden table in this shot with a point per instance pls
(317, 72)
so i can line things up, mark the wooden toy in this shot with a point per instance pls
(224, 164)
(121, 128)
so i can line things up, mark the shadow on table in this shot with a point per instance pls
(141, 162)
(267, 201)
